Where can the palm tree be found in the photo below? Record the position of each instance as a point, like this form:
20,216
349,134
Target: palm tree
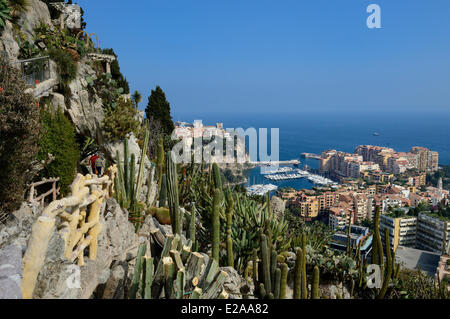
137,98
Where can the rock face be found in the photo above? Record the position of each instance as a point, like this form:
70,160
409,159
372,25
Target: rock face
59,278
10,272
85,110
37,12
8,45
277,206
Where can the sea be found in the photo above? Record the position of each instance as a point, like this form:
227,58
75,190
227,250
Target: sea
316,131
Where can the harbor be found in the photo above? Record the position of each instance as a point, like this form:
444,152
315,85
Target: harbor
297,174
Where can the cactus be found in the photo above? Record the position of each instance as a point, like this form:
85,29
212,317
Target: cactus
216,175
284,277
349,227
137,271
265,259
315,292
160,161
377,238
255,267
277,283
169,273
172,192
180,283
126,162
147,276
192,224
127,187
163,192
131,187
298,274
273,268
388,273
304,278
216,224
229,215
262,291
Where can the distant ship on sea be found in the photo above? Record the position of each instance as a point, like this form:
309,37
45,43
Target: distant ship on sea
376,134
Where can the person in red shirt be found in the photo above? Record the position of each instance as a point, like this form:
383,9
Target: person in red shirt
92,160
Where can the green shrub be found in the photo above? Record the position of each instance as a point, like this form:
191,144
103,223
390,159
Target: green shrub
59,139
67,68
19,133
5,13
121,120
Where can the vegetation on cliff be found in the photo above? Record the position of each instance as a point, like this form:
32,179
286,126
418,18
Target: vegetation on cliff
19,133
59,139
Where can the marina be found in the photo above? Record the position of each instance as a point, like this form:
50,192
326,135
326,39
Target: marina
297,174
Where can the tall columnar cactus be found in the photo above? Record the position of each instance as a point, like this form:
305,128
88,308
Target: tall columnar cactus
273,268
388,266
349,238
131,186
147,279
284,277
217,178
140,177
277,283
192,224
304,278
265,260
298,274
137,271
172,192
160,161
255,267
126,186
126,163
315,292
216,224
379,244
163,192
229,215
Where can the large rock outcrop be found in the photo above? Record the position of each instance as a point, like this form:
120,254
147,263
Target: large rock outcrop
60,278
8,45
37,12
85,109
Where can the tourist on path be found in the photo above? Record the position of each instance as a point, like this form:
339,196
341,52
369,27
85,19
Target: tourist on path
92,160
99,165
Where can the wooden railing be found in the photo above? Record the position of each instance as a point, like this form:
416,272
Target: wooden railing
80,226
41,198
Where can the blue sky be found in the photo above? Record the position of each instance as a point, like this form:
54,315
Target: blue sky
286,55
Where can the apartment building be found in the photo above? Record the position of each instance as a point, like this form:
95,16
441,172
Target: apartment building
402,230
427,160
309,205
327,200
339,216
433,233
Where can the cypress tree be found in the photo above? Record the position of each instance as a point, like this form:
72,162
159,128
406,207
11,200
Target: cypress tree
158,109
